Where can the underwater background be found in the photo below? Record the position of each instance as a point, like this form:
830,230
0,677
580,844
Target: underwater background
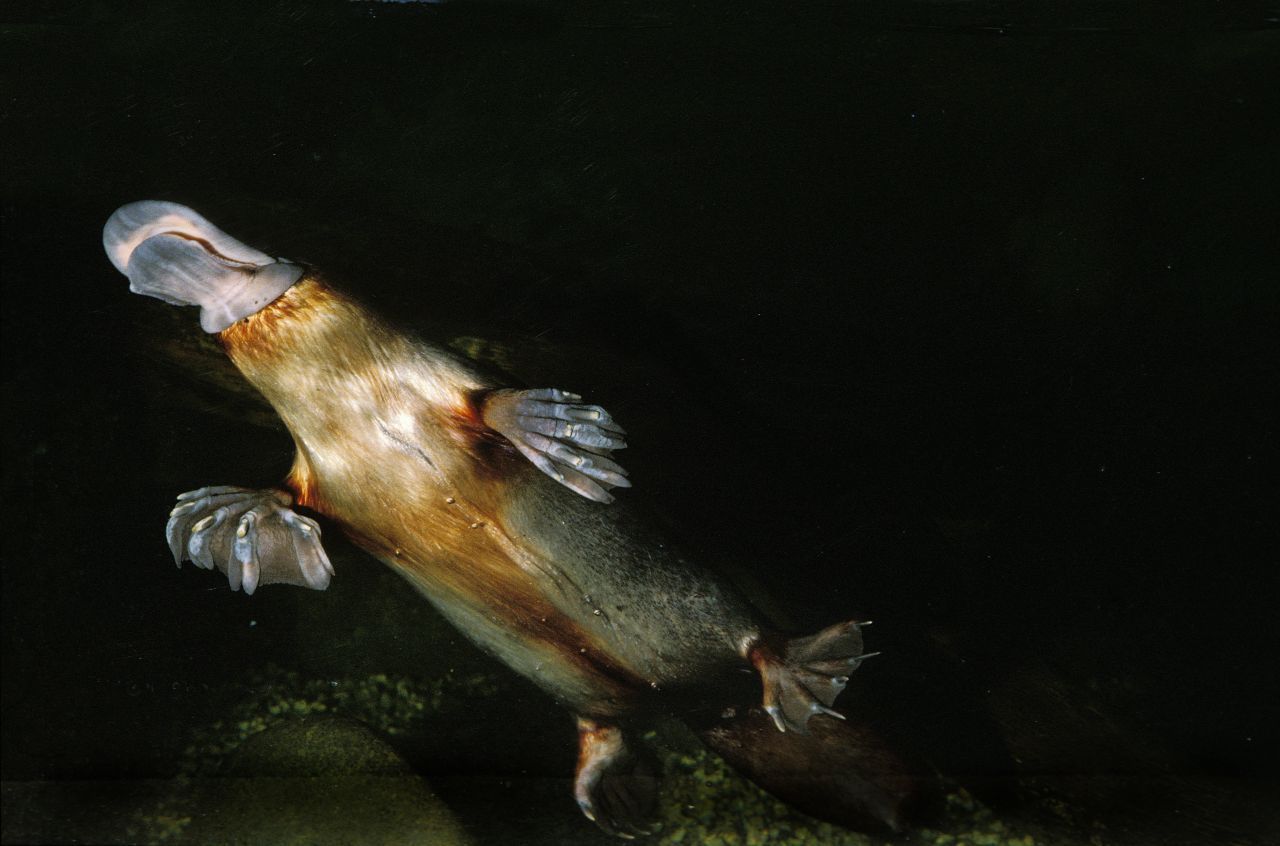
960,316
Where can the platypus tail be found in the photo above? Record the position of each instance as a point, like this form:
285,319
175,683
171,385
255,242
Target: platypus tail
800,748
840,771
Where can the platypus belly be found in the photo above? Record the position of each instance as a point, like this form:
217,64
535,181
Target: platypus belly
497,504
557,587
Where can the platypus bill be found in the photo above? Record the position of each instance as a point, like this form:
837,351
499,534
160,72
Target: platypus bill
495,503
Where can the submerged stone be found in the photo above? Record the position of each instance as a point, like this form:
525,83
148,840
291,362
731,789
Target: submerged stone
320,781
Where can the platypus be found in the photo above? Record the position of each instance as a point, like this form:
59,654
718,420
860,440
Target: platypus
498,504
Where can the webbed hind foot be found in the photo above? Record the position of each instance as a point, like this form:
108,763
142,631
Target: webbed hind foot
616,788
251,535
812,671
569,441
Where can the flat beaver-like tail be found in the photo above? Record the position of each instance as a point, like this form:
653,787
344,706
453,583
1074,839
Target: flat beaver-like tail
842,772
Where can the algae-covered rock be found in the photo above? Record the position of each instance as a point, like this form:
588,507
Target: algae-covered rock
303,761
318,781
316,746
371,810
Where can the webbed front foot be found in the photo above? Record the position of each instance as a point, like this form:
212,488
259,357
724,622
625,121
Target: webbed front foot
569,441
616,788
251,535
811,672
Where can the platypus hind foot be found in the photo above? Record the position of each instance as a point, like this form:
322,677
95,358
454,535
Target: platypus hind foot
569,441
616,788
811,672
251,535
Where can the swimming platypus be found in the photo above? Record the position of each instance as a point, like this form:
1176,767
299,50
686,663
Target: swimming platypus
497,504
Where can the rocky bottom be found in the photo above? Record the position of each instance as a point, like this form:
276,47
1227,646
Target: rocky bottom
326,761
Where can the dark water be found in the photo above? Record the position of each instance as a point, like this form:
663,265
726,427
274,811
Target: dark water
960,316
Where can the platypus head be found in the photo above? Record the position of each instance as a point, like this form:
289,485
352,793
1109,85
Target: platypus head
172,253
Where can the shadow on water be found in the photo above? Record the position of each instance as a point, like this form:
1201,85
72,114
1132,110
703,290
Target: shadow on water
954,315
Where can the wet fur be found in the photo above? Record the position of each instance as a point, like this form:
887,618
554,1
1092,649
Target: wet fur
390,445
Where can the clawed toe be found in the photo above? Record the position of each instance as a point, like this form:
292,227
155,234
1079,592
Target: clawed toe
252,536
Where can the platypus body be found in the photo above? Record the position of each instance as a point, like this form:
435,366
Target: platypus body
496,504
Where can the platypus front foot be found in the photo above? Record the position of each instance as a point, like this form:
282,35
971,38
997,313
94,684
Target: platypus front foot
809,674
569,441
251,535
616,788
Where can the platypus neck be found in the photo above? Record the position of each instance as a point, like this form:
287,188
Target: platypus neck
331,368
314,342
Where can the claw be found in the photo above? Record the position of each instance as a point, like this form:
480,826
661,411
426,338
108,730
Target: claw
174,532
823,709
243,570
198,546
211,490
312,560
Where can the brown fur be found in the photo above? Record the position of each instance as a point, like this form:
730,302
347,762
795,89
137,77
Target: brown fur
390,444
